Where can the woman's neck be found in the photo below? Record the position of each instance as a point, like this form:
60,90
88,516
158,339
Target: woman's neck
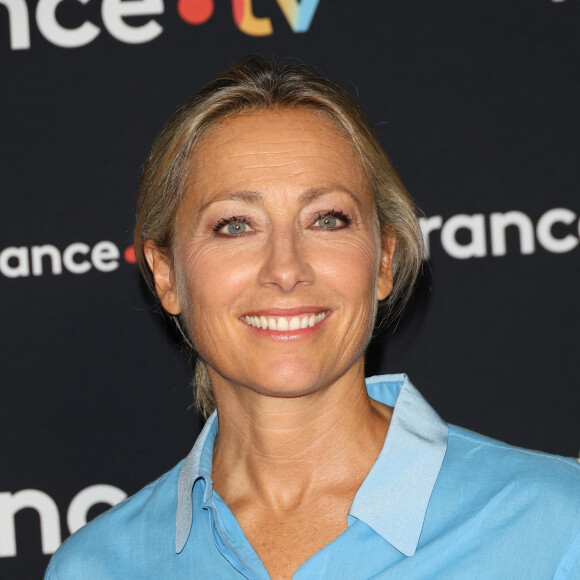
281,451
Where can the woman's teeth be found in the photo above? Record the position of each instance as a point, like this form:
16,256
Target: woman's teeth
285,323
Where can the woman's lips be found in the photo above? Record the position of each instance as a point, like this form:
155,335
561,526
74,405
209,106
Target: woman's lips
285,323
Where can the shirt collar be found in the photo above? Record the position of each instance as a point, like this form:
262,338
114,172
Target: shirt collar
394,496
195,466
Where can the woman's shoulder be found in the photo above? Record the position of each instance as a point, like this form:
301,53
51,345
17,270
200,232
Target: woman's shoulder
105,545
480,446
518,506
517,471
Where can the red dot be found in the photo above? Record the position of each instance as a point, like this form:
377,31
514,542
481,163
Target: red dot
238,9
195,11
129,255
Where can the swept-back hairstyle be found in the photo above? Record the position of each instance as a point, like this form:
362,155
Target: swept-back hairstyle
252,85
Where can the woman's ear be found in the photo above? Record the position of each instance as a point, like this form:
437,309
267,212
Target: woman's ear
160,265
385,277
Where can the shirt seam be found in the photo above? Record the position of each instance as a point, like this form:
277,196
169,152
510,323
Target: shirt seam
500,445
226,538
563,563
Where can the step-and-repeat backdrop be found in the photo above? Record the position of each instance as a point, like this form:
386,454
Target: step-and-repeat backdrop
477,103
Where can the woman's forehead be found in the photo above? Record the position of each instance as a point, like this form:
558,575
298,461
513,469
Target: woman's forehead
274,130
275,148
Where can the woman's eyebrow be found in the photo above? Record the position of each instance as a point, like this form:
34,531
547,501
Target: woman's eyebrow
257,198
313,194
252,197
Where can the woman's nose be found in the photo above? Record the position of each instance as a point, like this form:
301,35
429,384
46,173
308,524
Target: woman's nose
285,263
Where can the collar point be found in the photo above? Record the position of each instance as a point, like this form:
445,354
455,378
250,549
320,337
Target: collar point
407,550
179,545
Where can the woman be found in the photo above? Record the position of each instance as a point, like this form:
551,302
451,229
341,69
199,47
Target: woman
272,226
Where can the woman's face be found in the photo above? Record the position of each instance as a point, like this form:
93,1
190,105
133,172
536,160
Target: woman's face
277,259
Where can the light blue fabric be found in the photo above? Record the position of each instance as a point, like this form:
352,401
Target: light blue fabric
440,502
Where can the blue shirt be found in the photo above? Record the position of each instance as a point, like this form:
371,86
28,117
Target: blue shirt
440,502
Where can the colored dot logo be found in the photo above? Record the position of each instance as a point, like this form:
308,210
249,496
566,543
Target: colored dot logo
238,10
298,14
129,255
195,11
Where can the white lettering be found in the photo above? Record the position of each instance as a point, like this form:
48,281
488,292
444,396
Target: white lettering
475,224
428,225
18,270
38,252
16,262
113,13
12,503
52,30
50,535
498,224
105,256
68,258
83,501
544,230
18,23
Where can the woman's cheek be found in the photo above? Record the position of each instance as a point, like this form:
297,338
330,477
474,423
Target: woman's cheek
349,257
218,274
211,261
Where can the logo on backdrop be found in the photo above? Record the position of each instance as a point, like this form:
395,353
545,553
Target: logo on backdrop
76,258
48,514
298,14
465,236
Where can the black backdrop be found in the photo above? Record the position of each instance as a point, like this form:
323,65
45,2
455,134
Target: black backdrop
476,103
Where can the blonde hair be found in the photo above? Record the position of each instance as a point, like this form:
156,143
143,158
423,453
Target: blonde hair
258,84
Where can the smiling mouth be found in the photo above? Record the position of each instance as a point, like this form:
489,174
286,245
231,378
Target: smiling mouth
285,323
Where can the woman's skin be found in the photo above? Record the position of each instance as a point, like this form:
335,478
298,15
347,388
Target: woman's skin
278,225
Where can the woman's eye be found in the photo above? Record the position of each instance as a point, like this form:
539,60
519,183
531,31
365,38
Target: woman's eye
234,227
327,222
332,221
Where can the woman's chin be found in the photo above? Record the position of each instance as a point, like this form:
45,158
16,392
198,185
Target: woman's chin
290,385
284,378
